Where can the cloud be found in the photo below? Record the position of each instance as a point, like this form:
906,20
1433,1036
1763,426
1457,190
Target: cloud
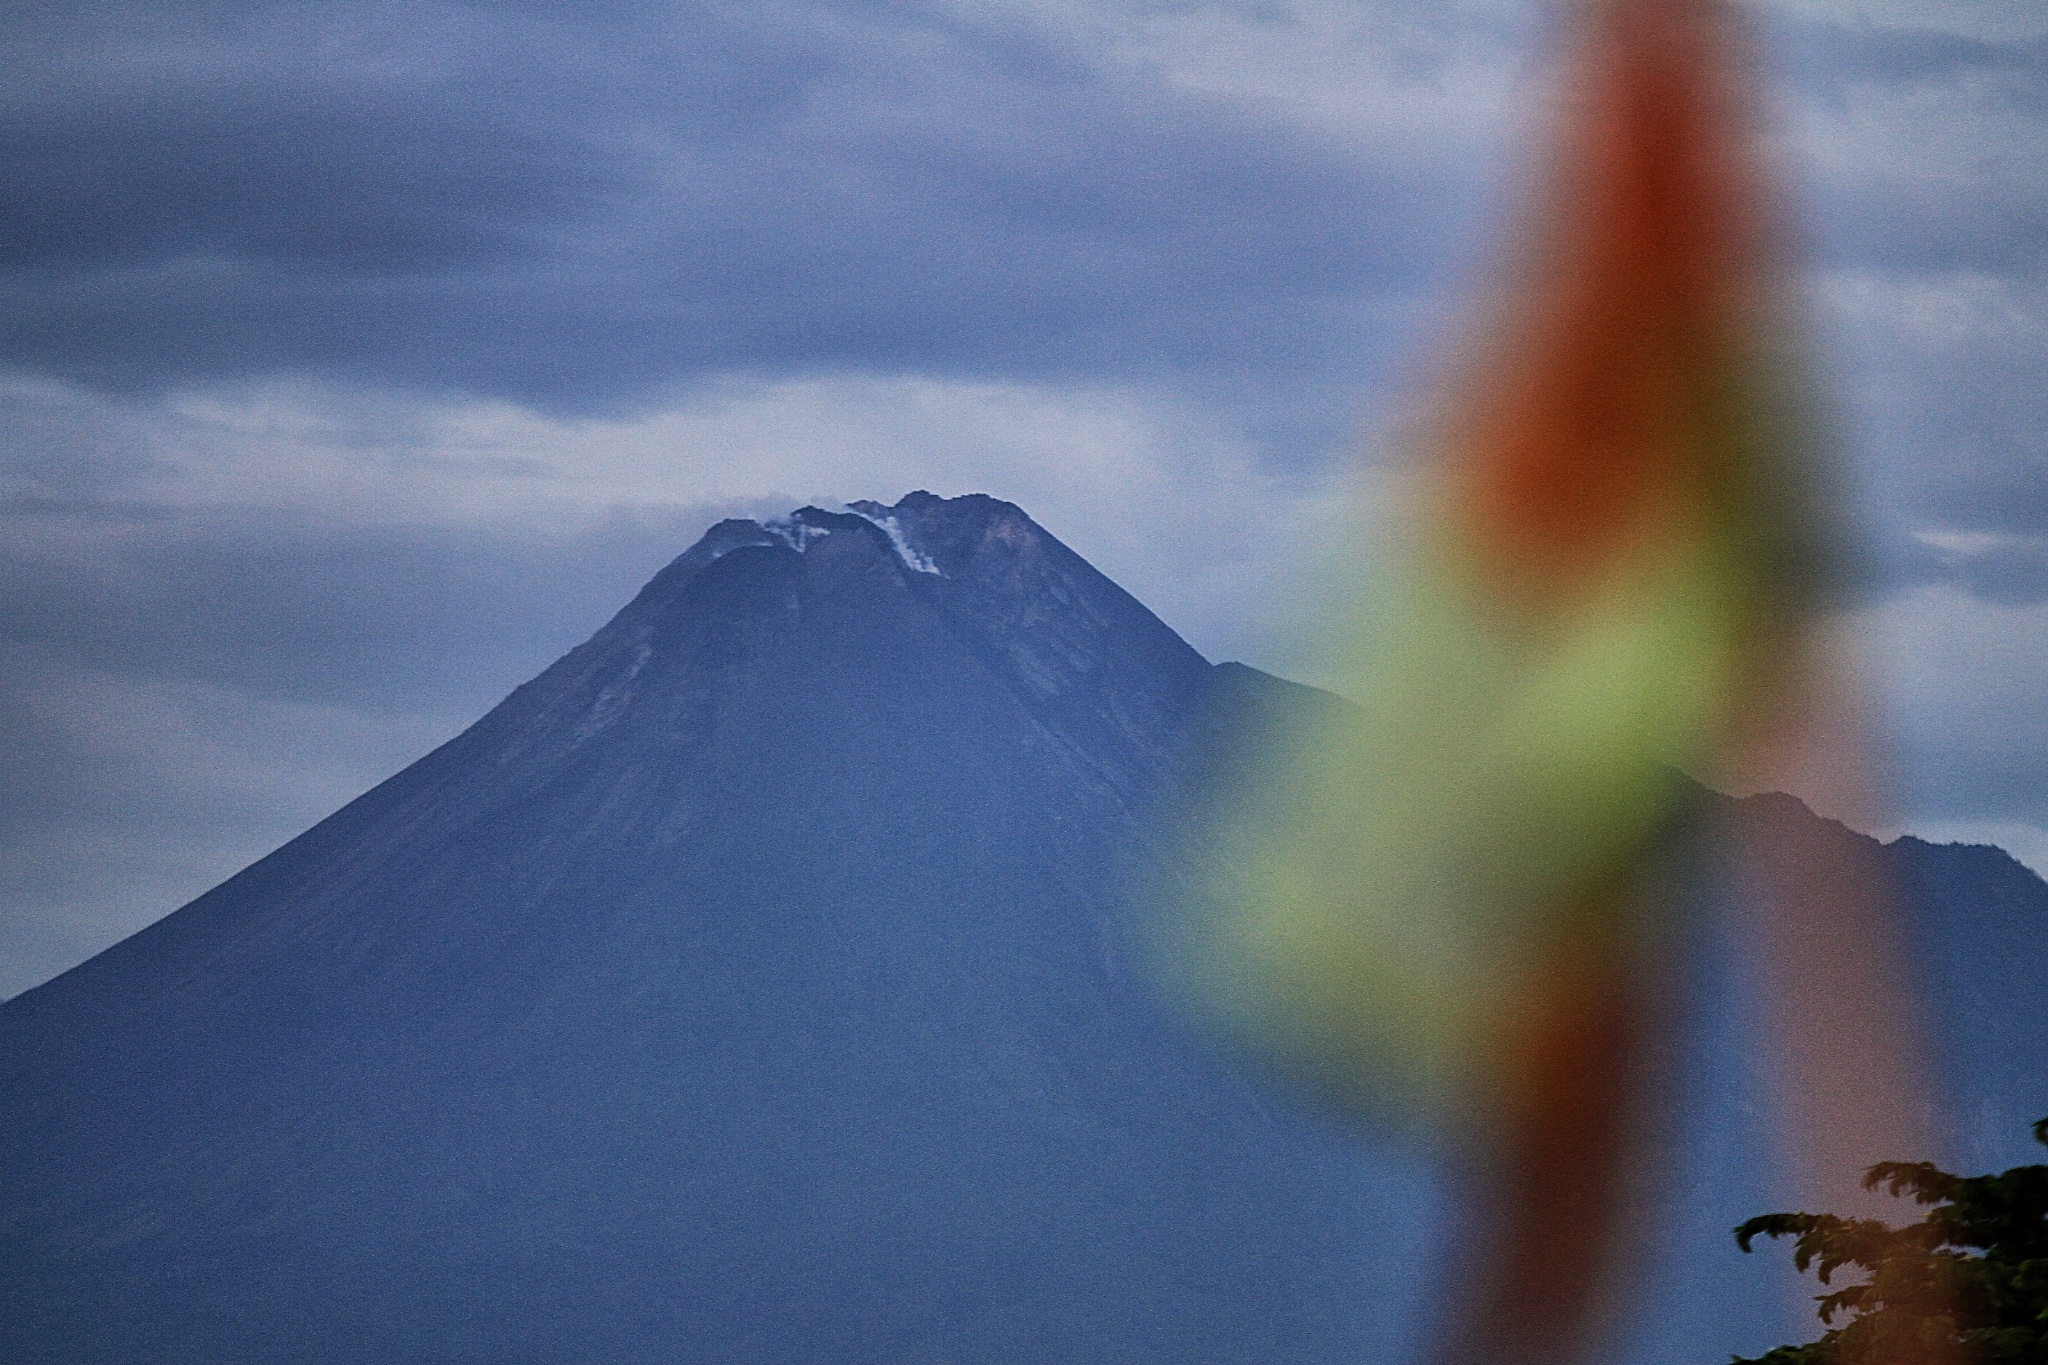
301,538
1919,152
1960,678
1989,21
581,208
588,209
128,796
1945,381
1398,75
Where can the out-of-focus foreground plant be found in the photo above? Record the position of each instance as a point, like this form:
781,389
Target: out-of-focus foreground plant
1967,1284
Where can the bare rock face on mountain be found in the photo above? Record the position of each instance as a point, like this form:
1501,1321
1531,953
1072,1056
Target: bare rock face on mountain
757,985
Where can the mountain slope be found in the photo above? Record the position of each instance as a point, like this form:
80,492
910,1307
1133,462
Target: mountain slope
748,987
756,985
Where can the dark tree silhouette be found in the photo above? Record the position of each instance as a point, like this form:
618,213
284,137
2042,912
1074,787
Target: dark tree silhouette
1966,1285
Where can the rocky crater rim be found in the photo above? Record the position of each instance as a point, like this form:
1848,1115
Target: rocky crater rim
908,527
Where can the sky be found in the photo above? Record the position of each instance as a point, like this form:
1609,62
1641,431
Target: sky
359,358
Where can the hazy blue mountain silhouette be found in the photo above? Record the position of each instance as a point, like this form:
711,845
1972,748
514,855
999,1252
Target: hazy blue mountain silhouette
756,985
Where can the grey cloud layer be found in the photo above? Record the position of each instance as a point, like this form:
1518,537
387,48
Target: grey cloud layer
325,611
578,206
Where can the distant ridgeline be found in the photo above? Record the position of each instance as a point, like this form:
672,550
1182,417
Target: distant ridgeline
758,984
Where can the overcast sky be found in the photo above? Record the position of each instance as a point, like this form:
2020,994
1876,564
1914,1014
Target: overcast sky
358,358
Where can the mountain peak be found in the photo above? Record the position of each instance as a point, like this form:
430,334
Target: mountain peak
1091,664
928,534
1061,634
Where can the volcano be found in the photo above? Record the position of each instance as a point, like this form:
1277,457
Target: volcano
759,984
